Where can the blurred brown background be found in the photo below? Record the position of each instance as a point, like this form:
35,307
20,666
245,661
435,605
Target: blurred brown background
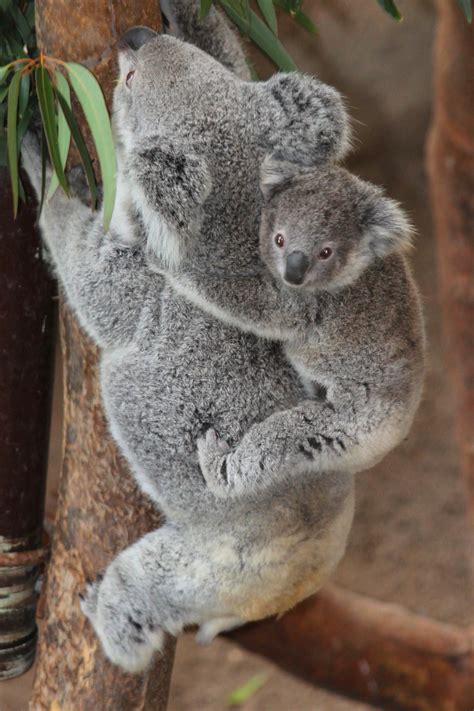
409,541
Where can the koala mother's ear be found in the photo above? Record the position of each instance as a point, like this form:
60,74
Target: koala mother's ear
303,121
170,184
385,226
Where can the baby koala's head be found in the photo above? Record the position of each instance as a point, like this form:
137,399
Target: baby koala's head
321,228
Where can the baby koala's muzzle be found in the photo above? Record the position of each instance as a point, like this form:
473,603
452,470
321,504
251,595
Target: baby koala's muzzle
297,264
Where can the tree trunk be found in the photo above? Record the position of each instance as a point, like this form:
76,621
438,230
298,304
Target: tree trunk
100,509
451,172
26,359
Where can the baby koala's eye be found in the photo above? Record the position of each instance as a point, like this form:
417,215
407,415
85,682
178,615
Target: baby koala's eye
325,253
129,79
279,240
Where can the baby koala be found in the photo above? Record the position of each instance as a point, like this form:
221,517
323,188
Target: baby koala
338,293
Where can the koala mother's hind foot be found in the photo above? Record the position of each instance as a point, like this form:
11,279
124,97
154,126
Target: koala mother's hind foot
128,637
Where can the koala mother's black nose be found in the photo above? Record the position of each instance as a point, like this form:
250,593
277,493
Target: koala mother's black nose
136,37
297,264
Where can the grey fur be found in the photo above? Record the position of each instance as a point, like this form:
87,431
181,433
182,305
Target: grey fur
353,330
170,372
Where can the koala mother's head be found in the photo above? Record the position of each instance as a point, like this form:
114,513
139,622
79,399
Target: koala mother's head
158,77
321,228
192,137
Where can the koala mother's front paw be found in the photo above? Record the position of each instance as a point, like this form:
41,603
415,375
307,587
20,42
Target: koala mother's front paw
213,460
128,636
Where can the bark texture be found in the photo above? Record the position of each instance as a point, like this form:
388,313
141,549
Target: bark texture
100,509
376,651
26,359
451,171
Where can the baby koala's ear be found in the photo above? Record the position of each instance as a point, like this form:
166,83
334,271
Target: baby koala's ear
304,121
276,175
385,226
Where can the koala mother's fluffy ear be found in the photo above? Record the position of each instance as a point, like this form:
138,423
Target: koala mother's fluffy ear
385,226
304,121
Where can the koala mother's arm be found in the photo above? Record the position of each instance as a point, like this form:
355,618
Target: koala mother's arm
313,437
106,283
212,33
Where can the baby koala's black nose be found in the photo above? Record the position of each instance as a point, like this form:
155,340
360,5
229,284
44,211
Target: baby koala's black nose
297,264
136,37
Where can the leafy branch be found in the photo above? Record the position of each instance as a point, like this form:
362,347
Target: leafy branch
31,81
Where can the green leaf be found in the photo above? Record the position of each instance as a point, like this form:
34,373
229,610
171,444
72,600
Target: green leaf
20,22
261,35
44,153
297,15
80,145
304,21
64,132
204,8
3,93
23,125
44,90
90,97
247,690
12,112
390,7
268,11
4,71
466,7
24,94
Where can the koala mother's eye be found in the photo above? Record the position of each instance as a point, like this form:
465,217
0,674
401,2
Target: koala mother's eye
279,240
325,253
129,79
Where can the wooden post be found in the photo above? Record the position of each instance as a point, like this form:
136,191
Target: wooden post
100,509
26,359
451,172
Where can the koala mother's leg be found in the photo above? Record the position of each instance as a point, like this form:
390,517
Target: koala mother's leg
165,581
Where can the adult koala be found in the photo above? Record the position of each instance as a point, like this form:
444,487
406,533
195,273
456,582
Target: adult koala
191,138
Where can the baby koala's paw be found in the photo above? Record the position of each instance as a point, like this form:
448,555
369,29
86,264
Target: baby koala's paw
213,460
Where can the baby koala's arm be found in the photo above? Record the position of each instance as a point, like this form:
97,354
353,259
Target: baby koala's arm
106,280
252,301
350,431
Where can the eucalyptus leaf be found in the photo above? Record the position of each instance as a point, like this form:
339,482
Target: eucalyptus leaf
390,7
12,112
23,124
267,9
64,132
24,94
304,21
5,70
90,96
20,22
204,8
44,90
297,15
466,7
80,145
247,690
261,35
